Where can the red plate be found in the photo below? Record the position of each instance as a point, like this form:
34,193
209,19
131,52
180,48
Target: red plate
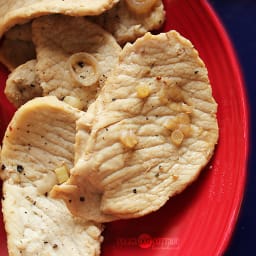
199,221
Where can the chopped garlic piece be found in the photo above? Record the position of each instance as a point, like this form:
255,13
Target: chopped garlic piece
129,139
62,174
171,124
177,137
183,118
143,91
73,101
186,129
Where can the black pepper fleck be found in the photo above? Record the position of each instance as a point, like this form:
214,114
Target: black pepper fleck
82,199
20,168
113,99
55,246
70,201
80,64
3,167
157,175
134,191
46,194
196,71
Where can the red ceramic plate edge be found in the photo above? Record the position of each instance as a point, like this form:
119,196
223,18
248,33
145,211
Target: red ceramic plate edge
245,107
236,67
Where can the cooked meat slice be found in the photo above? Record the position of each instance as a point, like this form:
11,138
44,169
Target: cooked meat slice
17,47
74,56
22,85
15,52
39,225
147,136
41,134
126,25
14,12
21,32
40,138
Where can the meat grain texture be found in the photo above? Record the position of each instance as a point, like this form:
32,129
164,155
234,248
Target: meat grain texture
40,138
148,135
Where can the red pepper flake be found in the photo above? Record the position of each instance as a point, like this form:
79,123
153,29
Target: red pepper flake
158,78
